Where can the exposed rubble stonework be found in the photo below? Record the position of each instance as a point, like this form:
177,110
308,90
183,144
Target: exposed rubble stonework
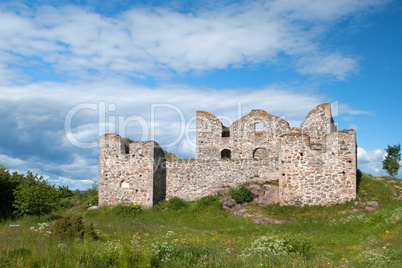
315,164
130,172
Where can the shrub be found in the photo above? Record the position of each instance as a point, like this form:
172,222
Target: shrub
89,196
64,192
66,203
299,246
72,227
174,203
126,210
241,194
207,200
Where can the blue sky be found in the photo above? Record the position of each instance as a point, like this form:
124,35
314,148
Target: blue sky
73,70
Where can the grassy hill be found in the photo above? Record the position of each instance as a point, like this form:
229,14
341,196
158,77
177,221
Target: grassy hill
202,234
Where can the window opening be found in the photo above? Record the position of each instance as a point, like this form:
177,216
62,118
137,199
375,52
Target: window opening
225,154
258,128
260,153
225,131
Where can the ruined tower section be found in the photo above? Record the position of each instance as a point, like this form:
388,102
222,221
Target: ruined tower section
130,172
209,136
311,176
318,123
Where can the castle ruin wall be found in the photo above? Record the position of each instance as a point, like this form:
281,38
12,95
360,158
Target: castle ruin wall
315,164
318,123
317,177
130,172
191,180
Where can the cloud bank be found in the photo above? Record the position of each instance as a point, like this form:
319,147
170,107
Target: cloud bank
370,161
33,126
76,42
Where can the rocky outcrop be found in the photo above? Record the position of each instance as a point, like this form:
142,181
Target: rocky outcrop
270,196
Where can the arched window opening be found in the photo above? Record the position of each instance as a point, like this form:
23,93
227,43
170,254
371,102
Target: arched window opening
258,128
225,154
225,132
260,153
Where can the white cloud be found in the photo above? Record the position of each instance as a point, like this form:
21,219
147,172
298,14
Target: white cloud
345,109
10,161
370,161
136,101
33,131
333,64
160,41
72,183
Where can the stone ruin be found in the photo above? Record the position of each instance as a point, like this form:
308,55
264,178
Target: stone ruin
313,164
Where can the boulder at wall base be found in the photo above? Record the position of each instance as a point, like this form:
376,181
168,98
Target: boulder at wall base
266,200
222,192
228,204
271,196
256,190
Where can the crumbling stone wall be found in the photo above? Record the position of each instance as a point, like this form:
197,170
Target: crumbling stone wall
317,176
130,172
209,131
318,123
191,180
243,140
315,164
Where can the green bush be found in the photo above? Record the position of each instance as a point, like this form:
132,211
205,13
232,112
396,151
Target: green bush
126,210
64,192
66,203
207,200
174,203
241,194
73,227
89,196
299,246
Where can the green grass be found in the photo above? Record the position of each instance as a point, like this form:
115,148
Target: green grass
202,234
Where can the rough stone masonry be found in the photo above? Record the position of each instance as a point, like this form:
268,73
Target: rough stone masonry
314,164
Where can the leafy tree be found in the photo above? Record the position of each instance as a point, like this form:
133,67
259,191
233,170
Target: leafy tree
90,196
34,195
7,186
391,161
64,192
